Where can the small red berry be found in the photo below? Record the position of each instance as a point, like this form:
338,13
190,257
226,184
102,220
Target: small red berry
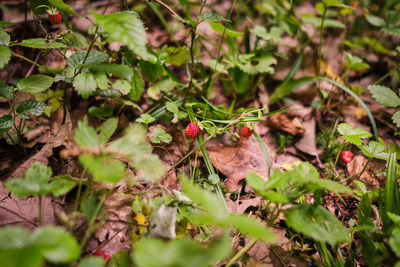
55,18
354,5
102,254
193,130
347,156
246,131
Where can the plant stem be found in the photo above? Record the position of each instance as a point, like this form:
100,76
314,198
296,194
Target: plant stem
26,59
91,222
241,252
79,190
320,42
365,167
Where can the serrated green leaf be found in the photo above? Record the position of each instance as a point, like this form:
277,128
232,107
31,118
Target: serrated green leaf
384,95
103,111
159,135
355,63
106,129
117,69
262,33
4,38
103,168
211,16
145,118
60,248
89,206
396,119
5,56
122,86
86,136
317,223
137,87
127,28
6,122
77,59
120,259
6,90
61,185
30,106
35,83
101,80
255,181
41,43
374,150
85,84
353,135
59,4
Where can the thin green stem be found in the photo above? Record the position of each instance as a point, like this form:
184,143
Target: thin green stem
26,59
241,252
78,194
386,75
321,30
91,222
363,170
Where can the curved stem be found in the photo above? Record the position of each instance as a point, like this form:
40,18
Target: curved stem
241,252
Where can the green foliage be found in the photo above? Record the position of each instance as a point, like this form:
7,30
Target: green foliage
41,43
385,96
92,262
317,223
35,83
355,63
127,28
19,248
159,135
352,135
37,182
150,252
85,84
30,107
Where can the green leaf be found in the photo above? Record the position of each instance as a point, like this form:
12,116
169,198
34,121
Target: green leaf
317,223
117,69
122,86
333,186
394,241
92,261
6,24
120,259
86,136
275,33
13,237
221,28
77,59
353,135
30,106
41,43
396,119
103,168
159,135
375,20
5,56
85,84
101,80
35,182
355,63
90,205
150,252
251,227
103,111
57,245
35,83
374,150
107,129
4,38
6,91
137,87
59,4
384,95
255,182
145,118
6,122
127,28
61,185
211,16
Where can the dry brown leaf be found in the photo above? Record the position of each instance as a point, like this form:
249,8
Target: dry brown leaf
307,143
242,205
356,166
281,122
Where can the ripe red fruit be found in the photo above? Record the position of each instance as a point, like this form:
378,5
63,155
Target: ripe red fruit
354,4
102,254
347,156
193,130
55,18
246,131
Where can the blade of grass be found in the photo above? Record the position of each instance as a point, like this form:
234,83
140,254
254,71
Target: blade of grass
264,150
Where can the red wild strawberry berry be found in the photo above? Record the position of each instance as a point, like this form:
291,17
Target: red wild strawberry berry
347,156
193,130
55,18
102,254
354,4
246,131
